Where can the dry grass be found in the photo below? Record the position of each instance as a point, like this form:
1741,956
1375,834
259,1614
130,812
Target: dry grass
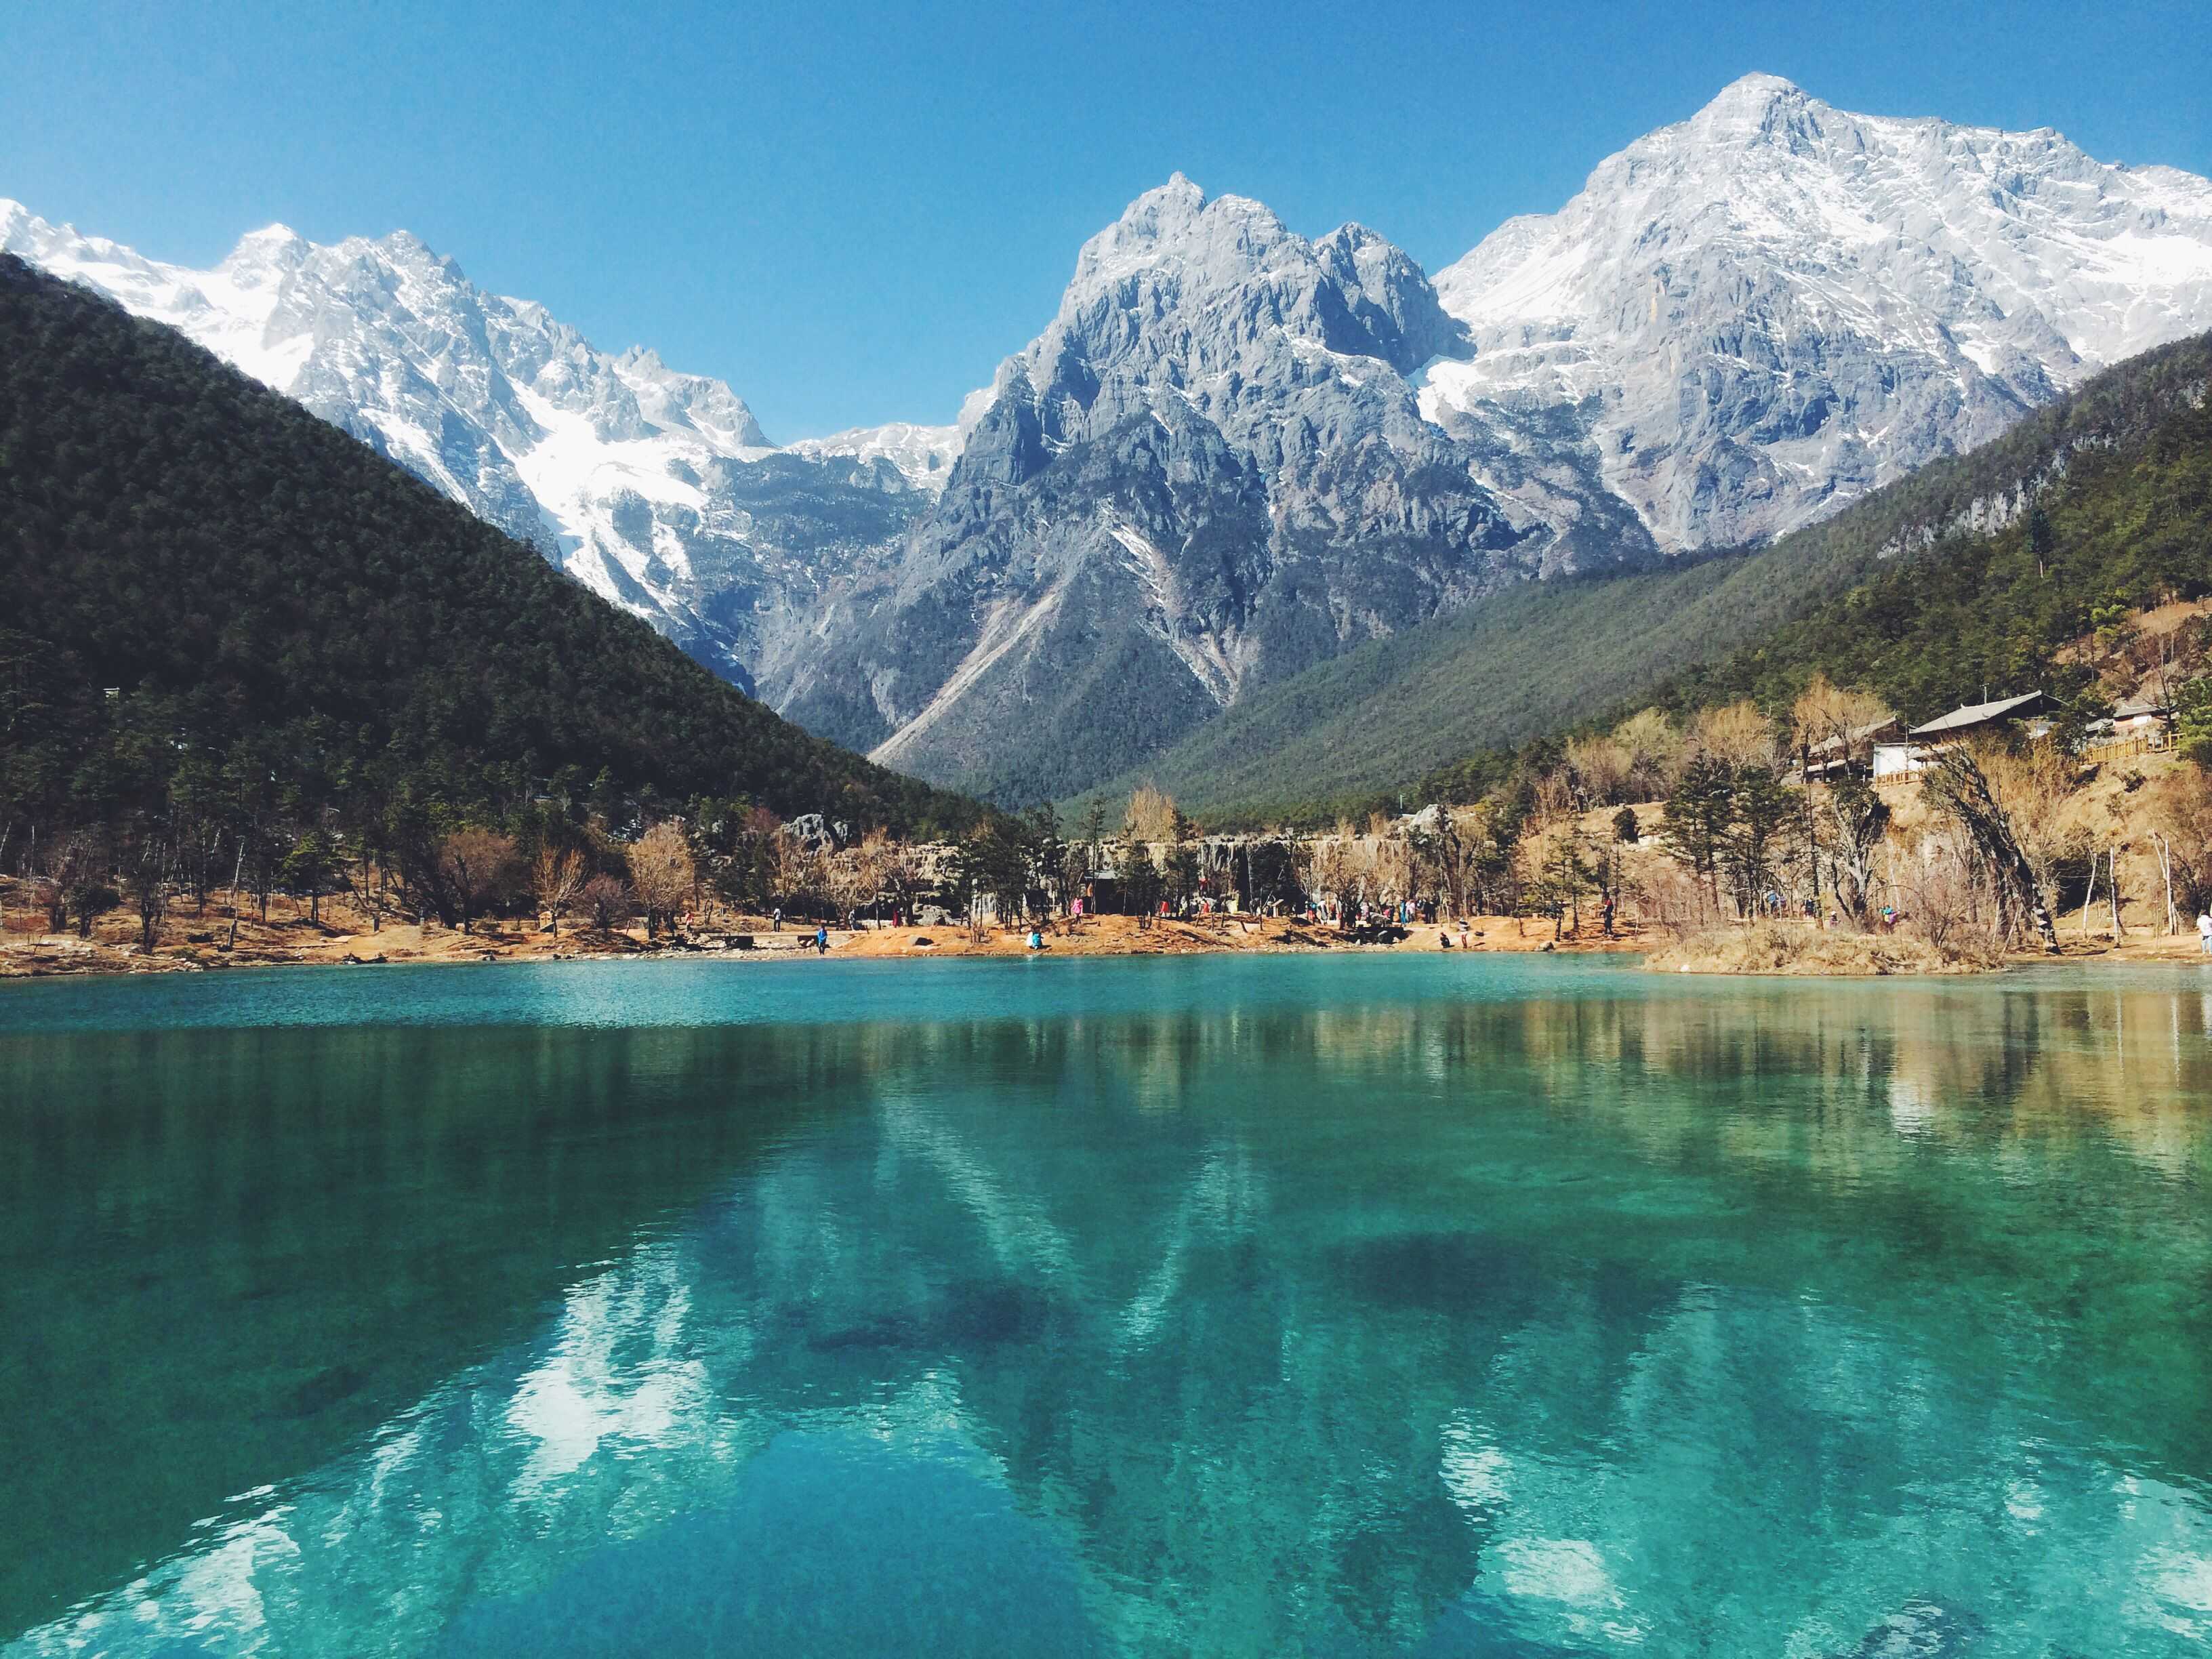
1784,947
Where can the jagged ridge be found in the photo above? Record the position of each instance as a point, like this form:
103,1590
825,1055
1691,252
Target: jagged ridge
658,490
1762,312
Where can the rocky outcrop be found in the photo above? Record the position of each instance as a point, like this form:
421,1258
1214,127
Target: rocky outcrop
1210,469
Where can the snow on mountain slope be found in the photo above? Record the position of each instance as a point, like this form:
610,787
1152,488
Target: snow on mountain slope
656,489
1235,451
1775,306
1208,471
924,454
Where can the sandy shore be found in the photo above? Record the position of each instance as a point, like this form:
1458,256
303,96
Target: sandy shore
195,944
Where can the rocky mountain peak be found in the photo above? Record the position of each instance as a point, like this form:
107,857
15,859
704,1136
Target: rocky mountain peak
1753,108
1210,469
271,245
1764,311
1176,228
1218,303
1395,310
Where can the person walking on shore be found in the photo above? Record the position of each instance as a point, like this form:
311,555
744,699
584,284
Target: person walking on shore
2204,931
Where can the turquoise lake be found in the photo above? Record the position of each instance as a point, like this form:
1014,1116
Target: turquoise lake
1274,1305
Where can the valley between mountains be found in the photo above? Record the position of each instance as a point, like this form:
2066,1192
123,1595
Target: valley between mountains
1241,464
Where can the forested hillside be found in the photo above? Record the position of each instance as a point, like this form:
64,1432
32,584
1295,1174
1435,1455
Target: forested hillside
213,596
1925,591
2123,526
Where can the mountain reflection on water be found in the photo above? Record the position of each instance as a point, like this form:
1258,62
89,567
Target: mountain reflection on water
1342,1307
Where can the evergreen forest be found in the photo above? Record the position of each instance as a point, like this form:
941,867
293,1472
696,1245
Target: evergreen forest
228,623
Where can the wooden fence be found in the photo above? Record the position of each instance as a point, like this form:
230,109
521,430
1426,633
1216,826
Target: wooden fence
2123,748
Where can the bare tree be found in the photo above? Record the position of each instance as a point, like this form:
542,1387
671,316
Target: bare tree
61,875
1827,714
1152,815
609,902
904,872
557,877
1737,735
2164,847
1554,798
2176,656
2037,787
662,872
147,879
1329,868
1601,766
1957,784
1853,819
1078,862
1389,866
80,878
1654,746
1937,890
1673,896
479,866
876,860
849,878
799,872
2181,806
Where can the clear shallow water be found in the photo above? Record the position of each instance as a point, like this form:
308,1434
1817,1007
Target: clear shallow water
1278,1306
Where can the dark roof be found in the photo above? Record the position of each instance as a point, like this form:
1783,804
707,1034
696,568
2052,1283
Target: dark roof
1978,714
2144,702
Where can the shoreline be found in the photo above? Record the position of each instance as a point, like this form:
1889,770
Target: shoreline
296,942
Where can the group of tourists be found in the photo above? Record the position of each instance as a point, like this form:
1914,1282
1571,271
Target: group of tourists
1404,913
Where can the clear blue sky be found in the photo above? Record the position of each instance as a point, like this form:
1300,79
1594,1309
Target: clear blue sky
852,212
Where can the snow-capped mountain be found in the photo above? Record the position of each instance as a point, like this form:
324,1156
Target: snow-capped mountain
924,454
656,489
1209,471
1754,315
1235,452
